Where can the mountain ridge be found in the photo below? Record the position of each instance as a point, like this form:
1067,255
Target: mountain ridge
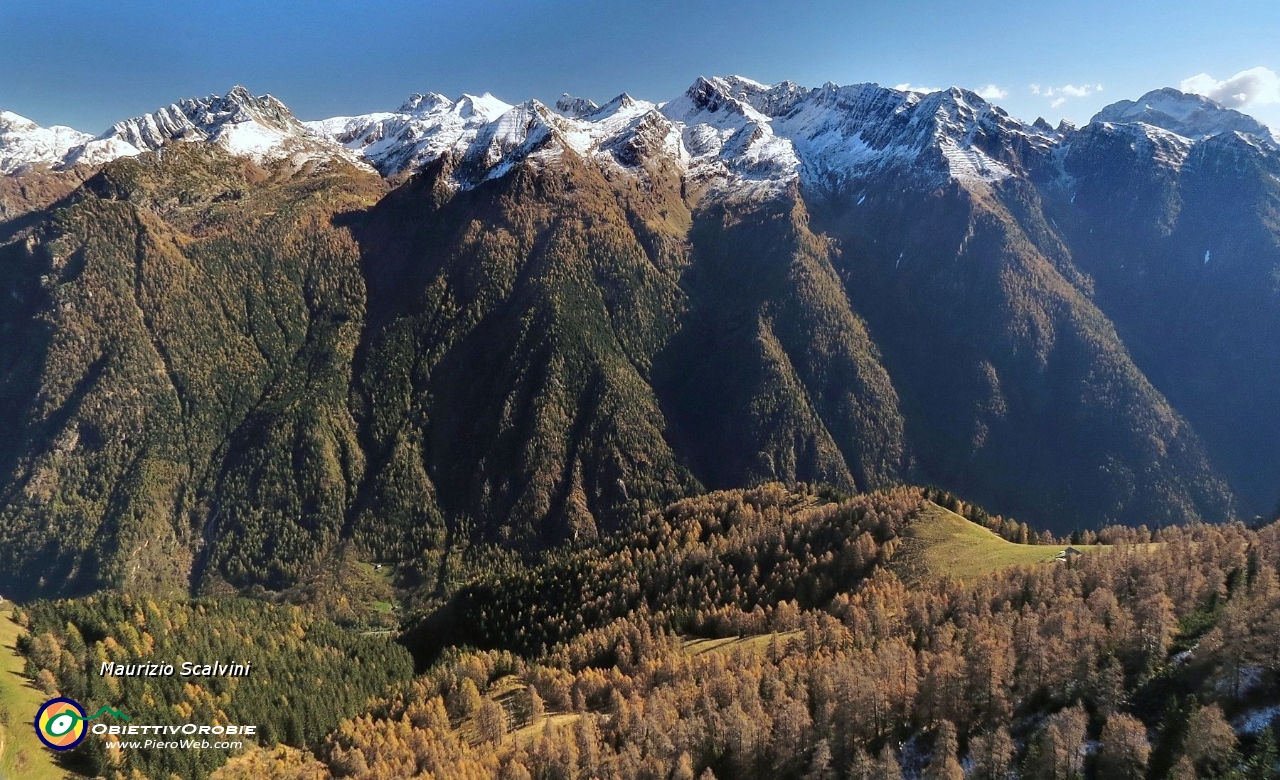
424,127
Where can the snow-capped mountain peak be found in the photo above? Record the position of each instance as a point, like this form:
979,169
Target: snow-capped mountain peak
419,103
771,101
575,107
485,107
1191,116
11,122
424,128
711,100
259,127
24,144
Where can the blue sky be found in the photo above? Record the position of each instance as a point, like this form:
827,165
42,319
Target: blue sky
88,63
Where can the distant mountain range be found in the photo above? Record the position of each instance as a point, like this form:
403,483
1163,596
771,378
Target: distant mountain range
235,341
719,126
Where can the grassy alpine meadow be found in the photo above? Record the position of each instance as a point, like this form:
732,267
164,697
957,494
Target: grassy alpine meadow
22,755
941,543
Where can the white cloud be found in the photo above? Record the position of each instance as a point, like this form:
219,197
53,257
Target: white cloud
1059,95
909,87
1253,87
993,92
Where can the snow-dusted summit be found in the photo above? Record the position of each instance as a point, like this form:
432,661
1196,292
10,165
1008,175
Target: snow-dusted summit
25,145
832,136
1194,117
576,107
258,127
422,129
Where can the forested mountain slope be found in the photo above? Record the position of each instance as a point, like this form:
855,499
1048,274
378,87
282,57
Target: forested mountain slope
468,321
1149,656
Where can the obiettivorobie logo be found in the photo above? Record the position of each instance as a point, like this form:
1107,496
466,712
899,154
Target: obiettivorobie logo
61,723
